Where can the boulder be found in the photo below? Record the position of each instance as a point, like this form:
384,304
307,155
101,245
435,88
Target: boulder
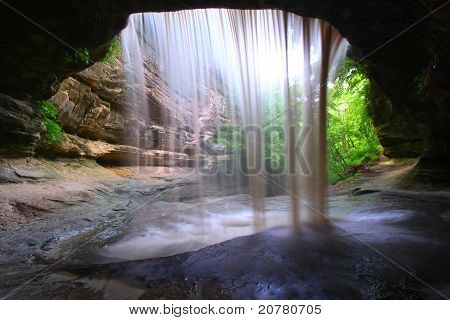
83,112
107,153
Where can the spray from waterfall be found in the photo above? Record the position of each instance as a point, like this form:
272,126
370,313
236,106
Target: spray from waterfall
254,59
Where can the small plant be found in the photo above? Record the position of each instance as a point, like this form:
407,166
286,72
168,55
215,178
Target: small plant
75,57
54,130
48,109
114,51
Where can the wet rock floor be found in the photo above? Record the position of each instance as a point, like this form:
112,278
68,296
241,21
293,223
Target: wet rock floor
377,245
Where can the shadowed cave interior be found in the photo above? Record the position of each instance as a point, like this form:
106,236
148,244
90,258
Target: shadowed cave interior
225,150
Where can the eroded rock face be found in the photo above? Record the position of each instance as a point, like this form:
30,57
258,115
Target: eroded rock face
101,123
399,137
85,108
107,153
20,127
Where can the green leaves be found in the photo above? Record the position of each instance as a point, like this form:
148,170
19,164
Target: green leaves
231,137
54,131
352,138
273,129
81,55
114,51
48,109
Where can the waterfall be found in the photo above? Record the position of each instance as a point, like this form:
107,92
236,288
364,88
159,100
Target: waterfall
256,60
135,78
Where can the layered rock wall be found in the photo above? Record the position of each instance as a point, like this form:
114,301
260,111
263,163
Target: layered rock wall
100,122
20,127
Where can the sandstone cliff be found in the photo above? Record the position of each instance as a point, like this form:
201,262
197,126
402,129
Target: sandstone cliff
100,123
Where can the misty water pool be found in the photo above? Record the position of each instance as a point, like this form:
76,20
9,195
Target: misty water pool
168,228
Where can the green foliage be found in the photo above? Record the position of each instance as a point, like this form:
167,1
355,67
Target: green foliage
231,137
352,138
114,51
274,129
274,140
234,138
81,55
54,130
48,109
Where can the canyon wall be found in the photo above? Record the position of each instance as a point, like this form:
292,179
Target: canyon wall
99,122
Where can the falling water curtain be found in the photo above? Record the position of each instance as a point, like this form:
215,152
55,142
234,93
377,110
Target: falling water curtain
259,58
330,41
